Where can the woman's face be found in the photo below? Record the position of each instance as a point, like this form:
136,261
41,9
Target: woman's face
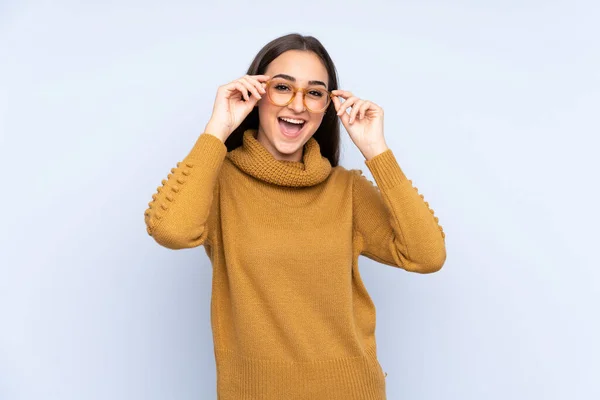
297,68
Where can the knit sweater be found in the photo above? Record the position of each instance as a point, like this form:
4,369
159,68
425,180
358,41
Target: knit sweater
290,315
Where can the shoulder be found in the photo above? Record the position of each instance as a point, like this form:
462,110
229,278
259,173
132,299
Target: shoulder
352,174
341,172
349,177
345,171
361,184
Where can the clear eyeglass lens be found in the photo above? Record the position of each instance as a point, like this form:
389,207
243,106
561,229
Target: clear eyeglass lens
316,99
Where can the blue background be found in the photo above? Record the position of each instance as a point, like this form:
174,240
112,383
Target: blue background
491,108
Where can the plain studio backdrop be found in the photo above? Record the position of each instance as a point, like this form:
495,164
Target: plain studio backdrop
491,108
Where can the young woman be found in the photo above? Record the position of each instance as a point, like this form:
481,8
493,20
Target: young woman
283,225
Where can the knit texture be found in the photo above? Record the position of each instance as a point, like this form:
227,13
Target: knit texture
253,159
291,317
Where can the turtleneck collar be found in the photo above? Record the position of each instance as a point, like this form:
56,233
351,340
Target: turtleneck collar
254,159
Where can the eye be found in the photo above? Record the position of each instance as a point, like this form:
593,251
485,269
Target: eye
281,87
316,93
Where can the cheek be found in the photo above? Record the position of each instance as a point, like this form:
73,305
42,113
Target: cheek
316,120
265,110
267,117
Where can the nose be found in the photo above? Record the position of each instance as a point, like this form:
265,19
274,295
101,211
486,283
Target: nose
298,103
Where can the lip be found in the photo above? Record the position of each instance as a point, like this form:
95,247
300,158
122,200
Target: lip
285,116
292,136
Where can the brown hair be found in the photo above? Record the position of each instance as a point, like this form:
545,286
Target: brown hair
328,133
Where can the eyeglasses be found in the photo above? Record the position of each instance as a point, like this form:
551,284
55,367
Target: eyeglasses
281,93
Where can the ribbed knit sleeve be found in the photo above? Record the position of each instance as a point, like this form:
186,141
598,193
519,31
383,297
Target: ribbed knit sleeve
180,213
395,224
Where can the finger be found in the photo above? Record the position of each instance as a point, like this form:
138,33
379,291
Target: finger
345,117
261,77
347,104
261,81
340,109
355,108
339,106
259,85
251,87
241,88
363,109
342,93
336,103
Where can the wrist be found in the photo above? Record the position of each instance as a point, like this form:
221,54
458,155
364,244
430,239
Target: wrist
216,130
375,150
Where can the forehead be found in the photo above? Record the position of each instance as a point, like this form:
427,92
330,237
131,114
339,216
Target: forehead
303,65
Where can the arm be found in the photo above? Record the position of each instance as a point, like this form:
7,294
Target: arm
395,225
179,215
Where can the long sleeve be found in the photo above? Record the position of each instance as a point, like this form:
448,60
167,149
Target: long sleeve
395,225
181,212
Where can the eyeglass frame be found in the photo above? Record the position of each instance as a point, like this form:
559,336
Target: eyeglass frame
295,90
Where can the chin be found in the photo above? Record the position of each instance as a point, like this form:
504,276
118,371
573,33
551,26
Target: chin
287,147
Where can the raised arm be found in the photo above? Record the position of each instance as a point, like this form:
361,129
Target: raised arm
178,215
181,213
395,225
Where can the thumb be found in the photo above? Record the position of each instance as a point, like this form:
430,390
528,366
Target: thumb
344,117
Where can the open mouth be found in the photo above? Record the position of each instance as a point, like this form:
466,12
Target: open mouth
290,126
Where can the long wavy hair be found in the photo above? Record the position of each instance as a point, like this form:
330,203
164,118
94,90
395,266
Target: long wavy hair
328,133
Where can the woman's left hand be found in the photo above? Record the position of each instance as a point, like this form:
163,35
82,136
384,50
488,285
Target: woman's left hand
364,122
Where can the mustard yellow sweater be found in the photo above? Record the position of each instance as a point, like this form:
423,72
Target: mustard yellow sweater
291,318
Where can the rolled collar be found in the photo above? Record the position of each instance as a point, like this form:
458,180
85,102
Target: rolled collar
254,159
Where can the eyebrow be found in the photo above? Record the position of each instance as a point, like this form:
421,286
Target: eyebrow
291,78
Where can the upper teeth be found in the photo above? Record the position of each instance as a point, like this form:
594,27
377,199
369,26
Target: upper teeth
293,121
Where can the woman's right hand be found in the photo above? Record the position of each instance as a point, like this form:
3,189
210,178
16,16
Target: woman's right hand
233,104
